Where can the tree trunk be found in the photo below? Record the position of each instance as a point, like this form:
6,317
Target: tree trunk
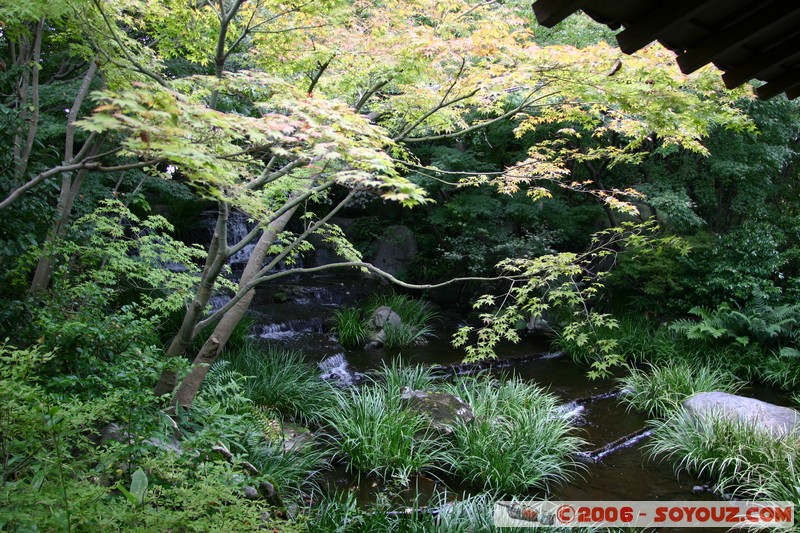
190,385
69,188
215,261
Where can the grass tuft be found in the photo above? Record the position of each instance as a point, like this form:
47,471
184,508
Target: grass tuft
662,390
283,381
374,436
352,324
744,461
517,440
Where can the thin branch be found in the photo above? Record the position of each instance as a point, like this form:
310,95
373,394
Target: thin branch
89,165
350,264
69,143
33,122
303,236
321,67
141,68
473,8
525,104
267,177
277,259
402,136
277,214
367,95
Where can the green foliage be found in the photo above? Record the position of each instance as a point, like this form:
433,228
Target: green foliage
351,326
760,326
112,286
354,325
57,477
282,381
742,266
740,459
341,513
661,391
566,283
518,440
374,436
479,228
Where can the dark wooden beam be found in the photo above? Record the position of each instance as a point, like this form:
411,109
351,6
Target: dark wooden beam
740,32
791,94
778,84
551,12
761,62
647,29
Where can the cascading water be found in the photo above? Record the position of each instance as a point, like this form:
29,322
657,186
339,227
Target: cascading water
239,226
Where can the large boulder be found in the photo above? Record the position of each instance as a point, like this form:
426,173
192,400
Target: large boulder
443,409
396,250
770,418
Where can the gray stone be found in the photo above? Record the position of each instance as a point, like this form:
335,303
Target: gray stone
384,316
444,410
539,325
251,493
296,437
113,432
773,419
396,250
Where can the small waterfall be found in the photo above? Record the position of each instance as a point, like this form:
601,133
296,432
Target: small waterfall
289,329
217,302
336,368
571,410
239,226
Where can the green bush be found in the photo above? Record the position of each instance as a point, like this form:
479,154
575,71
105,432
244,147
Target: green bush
342,513
661,391
374,436
351,326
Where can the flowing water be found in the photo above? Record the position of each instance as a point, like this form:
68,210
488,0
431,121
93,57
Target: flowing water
616,465
296,316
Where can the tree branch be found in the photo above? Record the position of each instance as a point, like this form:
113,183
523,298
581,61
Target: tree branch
402,135
367,95
88,165
321,67
69,142
141,68
525,104
268,177
33,122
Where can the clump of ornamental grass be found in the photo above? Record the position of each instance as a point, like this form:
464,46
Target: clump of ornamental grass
282,380
341,512
353,324
741,459
661,391
518,440
395,376
373,435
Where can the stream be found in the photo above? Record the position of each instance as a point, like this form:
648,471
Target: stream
616,465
